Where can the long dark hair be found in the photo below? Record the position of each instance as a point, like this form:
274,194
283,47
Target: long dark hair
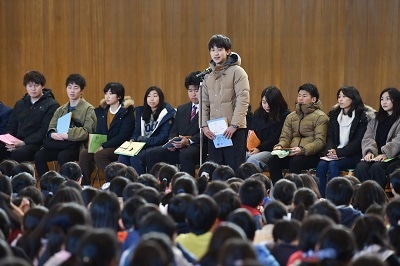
394,95
352,93
276,102
147,109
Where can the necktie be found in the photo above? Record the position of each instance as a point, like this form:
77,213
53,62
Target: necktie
193,114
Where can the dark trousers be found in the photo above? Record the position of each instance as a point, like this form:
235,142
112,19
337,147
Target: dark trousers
47,155
24,153
294,163
88,161
377,171
188,157
232,156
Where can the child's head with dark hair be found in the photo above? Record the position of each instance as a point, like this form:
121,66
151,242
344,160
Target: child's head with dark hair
21,181
283,191
88,194
368,193
76,79
333,238
286,231
247,169
304,196
128,211
23,167
227,201
33,217
72,171
157,222
115,88
178,205
150,194
5,185
325,208
105,211
65,195
129,173
165,175
311,229
34,76
184,184
112,170
148,180
45,179
243,218
131,190
191,79
118,184
219,41
142,211
339,191
311,89
201,214
370,230
392,212
214,187
311,182
252,192
6,167
156,167
222,173
274,210
265,180
33,193
295,178
394,180
207,169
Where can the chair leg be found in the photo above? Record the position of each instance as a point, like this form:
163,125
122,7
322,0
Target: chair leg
96,176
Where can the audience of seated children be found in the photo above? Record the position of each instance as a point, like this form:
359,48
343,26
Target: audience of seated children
153,123
116,120
65,146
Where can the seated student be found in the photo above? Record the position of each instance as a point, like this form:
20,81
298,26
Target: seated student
340,192
284,191
153,123
64,146
303,135
71,171
381,141
395,183
177,208
267,183
251,194
5,113
115,118
286,238
247,169
185,152
29,119
347,124
267,123
201,217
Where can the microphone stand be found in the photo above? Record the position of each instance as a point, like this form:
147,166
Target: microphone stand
201,118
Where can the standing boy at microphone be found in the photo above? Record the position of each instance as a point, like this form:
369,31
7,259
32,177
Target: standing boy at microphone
226,93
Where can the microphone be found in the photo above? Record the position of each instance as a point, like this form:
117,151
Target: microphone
205,72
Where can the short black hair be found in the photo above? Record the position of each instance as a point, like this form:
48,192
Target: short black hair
77,79
34,76
201,214
71,170
115,88
394,180
220,41
311,89
339,190
252,192
191,79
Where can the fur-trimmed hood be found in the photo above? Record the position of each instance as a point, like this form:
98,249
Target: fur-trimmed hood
128,101
369,111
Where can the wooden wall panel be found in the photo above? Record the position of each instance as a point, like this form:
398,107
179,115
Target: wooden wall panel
158,42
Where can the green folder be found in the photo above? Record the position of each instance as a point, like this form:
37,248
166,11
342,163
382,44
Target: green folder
95,141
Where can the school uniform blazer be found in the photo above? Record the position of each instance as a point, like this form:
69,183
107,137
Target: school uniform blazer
183,126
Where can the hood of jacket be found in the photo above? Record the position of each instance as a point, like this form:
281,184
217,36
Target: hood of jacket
233,59
369,111
128,101
47,93
308,108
